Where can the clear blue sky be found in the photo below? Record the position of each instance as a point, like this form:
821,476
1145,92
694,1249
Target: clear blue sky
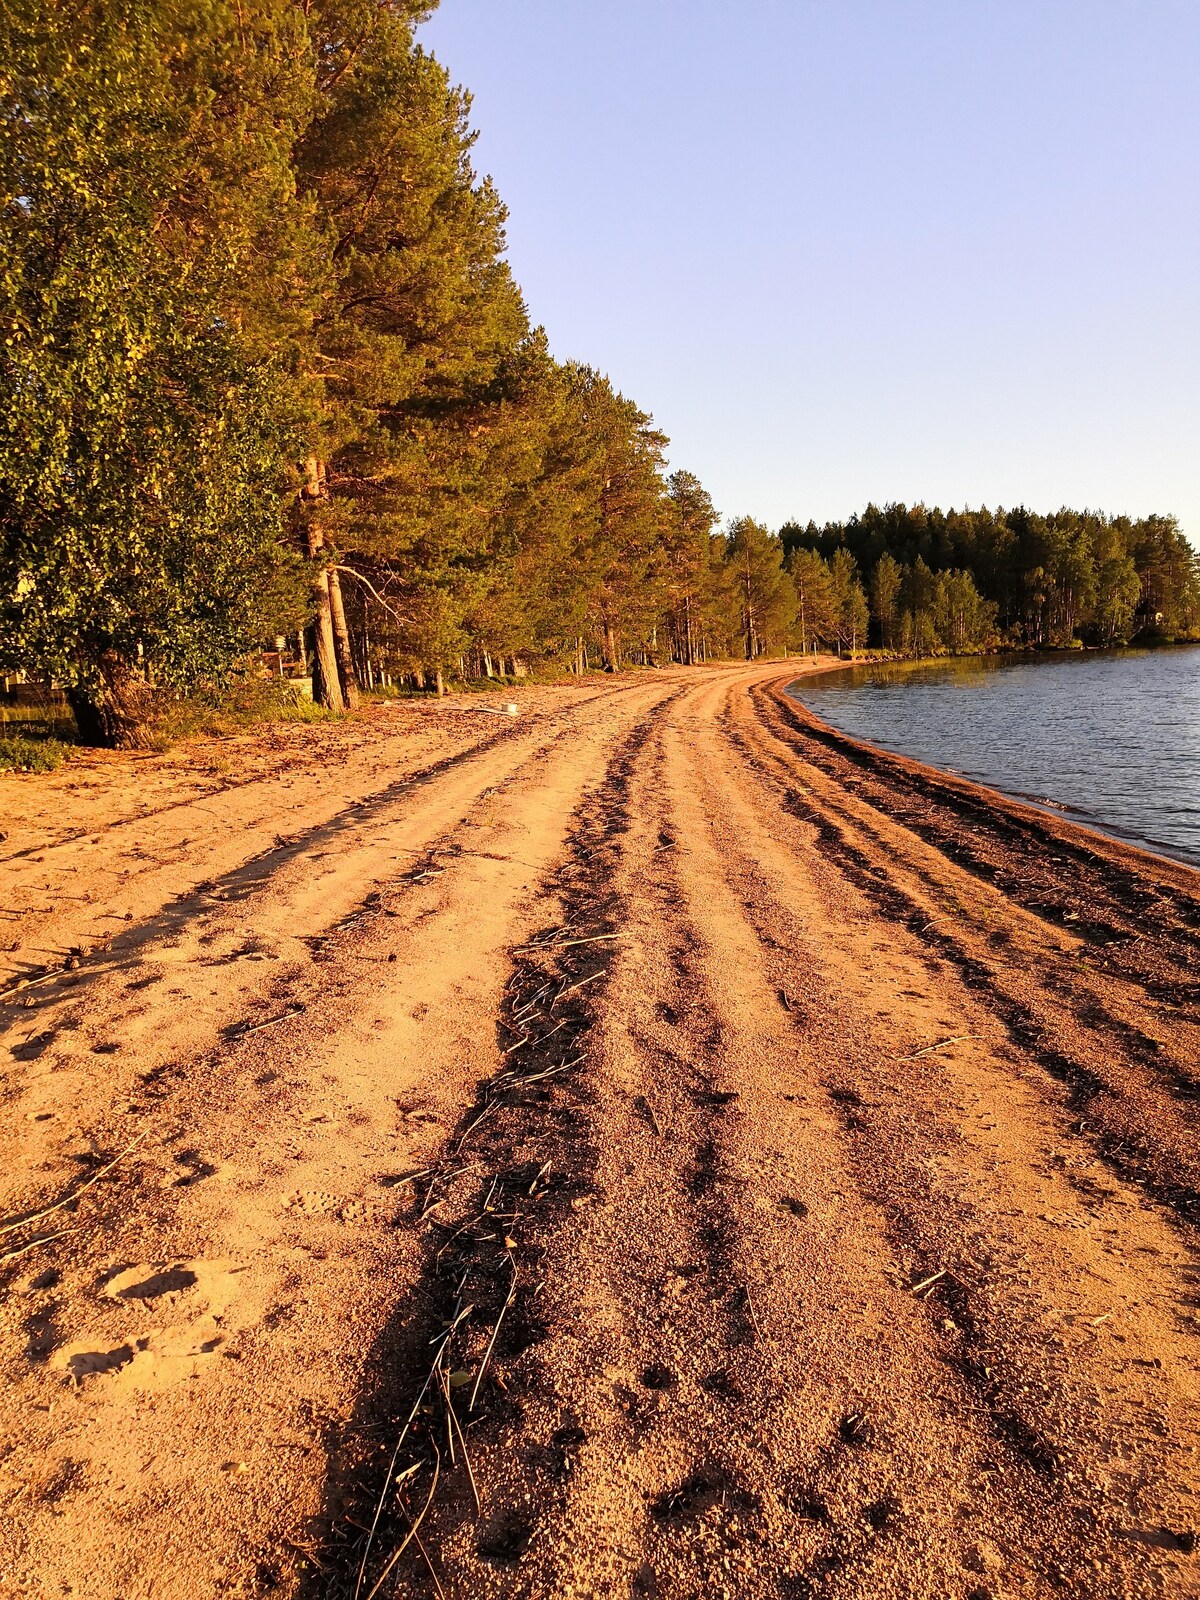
844,250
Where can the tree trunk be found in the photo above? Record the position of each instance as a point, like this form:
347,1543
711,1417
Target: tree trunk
116,713
327,689
611,661
441,683
341,640
366,647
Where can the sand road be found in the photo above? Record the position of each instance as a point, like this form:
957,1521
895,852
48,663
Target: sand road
652,1146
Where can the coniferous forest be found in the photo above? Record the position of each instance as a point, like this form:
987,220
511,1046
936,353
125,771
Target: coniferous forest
269,384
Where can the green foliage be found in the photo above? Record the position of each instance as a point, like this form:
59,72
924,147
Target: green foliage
219,709
142,433
817,619
24,752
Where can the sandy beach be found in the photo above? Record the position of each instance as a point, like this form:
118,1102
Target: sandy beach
651,1145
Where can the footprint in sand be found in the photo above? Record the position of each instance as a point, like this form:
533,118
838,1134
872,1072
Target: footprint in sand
338,1207
178,1319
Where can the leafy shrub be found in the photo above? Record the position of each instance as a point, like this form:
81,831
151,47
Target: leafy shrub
23,752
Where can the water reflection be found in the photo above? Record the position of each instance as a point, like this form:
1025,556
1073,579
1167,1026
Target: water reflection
1113,738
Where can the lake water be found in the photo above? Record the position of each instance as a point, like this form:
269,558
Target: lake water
1111,740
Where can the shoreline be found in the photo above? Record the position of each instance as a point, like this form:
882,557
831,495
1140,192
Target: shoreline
1064,812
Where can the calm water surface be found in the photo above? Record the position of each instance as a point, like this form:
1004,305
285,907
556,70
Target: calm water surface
1111,740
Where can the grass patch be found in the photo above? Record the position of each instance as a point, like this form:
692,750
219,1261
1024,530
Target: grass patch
246,704
26,752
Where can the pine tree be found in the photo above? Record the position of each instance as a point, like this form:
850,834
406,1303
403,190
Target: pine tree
816,614
885,596
688,548
420,313
849,601
766,598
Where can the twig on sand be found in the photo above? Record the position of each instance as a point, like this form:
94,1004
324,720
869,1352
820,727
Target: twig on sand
471,1126
257,1027
571,988
958,1038
425,1557
456,1426
391,1477
13,989
408,1537
927,1283
643,1102
753,1312
491,1344
564,944
37,1216
32,1244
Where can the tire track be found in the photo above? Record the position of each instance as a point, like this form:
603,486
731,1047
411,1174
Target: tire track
407,1513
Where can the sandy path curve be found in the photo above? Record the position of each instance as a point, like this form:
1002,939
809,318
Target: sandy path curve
656,1148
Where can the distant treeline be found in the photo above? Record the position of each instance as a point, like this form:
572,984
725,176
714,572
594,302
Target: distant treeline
266,379
962,580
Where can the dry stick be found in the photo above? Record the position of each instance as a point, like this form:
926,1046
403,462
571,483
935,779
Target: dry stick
390,1476
441,1376
958,1038
927,1283
457,1425
425,1557
29,983
550,1072
42,1238
530,1005
591,978
470,1128
36,1216
753,1313
410,1177
564,944
512,1290
458,1232
410,1535
257,1027
540,1040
